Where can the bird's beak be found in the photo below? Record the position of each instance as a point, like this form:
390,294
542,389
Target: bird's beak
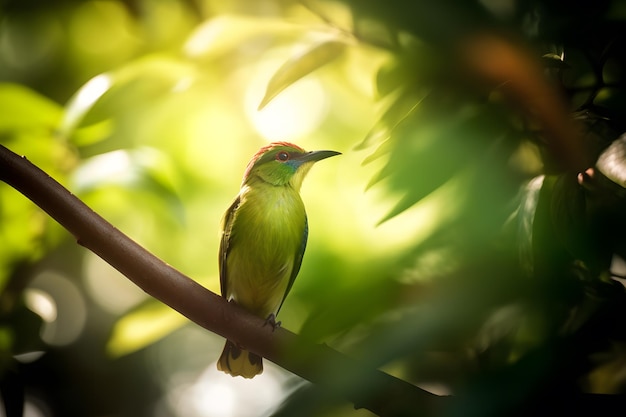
315,156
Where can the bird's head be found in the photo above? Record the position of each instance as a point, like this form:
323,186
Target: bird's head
282,163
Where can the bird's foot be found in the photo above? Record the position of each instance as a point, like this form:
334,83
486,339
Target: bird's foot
271,320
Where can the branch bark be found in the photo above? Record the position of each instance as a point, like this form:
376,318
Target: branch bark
383,394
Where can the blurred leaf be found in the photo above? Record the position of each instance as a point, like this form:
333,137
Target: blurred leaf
612,162
446,318
7,342
224,34
401,107
147,171
558,234
553,60
22,108
378,134
417,66
608,376
94,133
525,222
435,144
142,327
144,167
383,149
149,77
569,216
329,316
80,104
28,123
26,329
313,57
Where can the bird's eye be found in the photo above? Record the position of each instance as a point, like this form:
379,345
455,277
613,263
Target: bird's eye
282,156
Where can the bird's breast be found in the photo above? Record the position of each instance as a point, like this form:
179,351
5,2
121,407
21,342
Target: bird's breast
273,210
267,232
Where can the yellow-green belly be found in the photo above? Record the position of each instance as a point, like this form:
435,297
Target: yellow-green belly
265,238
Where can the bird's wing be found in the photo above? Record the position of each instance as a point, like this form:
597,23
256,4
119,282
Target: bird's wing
227,225
297,262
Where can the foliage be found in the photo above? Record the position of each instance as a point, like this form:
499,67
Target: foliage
480,261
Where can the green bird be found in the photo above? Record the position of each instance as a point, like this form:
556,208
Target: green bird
264,234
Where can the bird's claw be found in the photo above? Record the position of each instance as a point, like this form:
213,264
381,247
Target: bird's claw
271,320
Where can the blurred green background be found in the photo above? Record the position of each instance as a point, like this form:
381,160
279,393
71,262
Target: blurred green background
446,246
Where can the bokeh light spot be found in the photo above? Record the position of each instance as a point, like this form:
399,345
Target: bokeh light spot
41,303
54,289
108,287
216,394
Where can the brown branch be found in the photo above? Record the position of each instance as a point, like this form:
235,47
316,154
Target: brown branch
382,394
499,61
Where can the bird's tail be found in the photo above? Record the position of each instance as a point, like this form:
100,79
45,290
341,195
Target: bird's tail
236,361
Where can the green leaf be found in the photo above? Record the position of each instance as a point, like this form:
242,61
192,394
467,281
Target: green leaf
438,141
312,58
612,162
553,60
141,81
142,327
144,167
418,65
400,107
28,123
525,222
82,102
378,134
383,149
23,108
93,133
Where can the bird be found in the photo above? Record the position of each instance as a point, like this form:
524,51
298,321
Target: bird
263,238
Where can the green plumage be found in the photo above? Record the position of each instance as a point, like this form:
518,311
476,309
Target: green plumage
264,234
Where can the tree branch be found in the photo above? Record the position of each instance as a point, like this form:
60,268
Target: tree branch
382,394
493,58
